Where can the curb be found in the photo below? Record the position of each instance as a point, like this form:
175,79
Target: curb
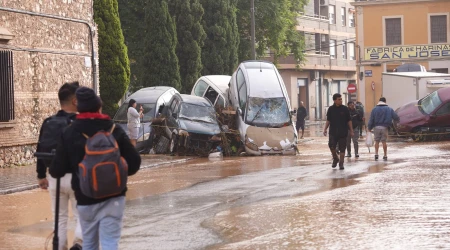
35,186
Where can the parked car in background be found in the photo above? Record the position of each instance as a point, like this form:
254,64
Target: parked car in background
214,88
427,118
151,99
258,94
191,125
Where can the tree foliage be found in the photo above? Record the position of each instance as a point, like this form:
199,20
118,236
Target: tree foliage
132,15
275,29
219,54
159,61
113,58
187,15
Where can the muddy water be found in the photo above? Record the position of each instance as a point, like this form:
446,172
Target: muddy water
270,202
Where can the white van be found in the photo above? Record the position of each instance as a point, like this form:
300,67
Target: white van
214,88
258,94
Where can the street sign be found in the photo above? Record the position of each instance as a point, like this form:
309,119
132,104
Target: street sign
368,73
373,85
351,88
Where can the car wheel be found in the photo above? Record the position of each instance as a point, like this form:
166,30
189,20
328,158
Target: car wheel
417,135
173,144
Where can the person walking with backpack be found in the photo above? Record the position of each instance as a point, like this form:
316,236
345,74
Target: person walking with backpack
380,120
49,134
100,157
355,115
134,121
340,123
362,123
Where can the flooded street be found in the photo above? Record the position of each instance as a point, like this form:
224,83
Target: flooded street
272,202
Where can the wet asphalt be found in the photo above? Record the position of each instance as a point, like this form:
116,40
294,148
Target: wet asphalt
273,202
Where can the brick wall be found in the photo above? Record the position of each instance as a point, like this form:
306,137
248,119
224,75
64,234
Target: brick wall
47,53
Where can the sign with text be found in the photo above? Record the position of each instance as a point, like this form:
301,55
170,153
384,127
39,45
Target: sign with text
407,52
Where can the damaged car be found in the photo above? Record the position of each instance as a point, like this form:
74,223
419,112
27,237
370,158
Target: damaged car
190,124
258,94
426,119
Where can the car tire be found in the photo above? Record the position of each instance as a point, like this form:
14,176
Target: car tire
173,144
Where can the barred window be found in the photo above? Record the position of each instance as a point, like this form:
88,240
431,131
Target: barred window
393,31
438,29
6,86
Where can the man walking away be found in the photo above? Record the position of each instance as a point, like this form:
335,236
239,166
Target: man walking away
356,119
301,115
362,123
82,150
380,119
48,139
338,119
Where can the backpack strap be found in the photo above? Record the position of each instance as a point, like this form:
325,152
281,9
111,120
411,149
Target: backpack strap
112,128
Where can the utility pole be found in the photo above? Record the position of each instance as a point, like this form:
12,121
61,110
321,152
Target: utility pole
252,13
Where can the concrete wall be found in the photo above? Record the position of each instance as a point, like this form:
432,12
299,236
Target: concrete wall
62,49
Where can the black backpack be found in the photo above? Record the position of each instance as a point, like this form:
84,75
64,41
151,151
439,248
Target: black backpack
51,131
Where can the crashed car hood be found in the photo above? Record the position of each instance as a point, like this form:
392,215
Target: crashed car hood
199,127
409,112
268,138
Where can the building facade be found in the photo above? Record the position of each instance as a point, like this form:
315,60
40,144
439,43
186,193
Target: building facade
42,45
391,33
328,27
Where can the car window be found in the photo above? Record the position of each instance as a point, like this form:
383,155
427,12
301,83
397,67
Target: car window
200,88
240,79
173,106
220,102
211,95
444,110
243,96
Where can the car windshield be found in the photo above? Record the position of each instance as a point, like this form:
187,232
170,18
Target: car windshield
197,113
149,112
270,112
430,103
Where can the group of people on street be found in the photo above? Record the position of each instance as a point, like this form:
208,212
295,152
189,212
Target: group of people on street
345,125
99,218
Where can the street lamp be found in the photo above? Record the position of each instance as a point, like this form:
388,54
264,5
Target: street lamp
252,13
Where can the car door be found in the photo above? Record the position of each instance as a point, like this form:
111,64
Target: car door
172,118
441,117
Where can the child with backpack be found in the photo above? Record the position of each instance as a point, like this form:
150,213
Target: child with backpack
51,130
100,157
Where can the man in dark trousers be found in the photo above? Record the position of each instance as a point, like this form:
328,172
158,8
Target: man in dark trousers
301,115
338,119
100,218
356,117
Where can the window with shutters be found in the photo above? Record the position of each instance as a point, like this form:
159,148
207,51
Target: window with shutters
6,86
438,28
393,31
333,49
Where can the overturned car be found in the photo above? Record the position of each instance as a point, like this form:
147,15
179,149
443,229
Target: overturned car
190,125
426,119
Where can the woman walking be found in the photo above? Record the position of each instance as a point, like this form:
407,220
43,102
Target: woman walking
134,121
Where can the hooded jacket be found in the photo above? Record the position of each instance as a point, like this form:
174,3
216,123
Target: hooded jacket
382,115
71,150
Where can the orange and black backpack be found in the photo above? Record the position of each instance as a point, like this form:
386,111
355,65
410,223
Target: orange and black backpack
103,172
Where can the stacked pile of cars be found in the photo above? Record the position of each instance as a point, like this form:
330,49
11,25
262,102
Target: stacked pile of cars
255,97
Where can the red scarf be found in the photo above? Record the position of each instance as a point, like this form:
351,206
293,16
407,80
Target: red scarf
93,116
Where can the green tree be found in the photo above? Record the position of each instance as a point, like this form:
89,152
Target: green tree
132,15
159,61
187,15
219,54
113,58
275,29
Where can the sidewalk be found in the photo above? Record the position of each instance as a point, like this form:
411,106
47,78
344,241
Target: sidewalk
17,179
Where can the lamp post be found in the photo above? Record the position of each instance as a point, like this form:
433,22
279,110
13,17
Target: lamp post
252,13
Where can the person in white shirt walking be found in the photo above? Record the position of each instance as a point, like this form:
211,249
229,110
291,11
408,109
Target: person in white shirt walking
134,121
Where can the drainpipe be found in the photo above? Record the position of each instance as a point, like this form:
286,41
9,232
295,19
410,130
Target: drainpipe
91,35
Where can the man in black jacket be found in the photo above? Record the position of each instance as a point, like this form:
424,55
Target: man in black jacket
67,101
101,219
301,115
338,119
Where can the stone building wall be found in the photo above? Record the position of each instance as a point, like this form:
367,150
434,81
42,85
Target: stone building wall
46,52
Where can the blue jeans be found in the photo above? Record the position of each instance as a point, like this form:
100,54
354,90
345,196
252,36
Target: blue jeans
102,223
